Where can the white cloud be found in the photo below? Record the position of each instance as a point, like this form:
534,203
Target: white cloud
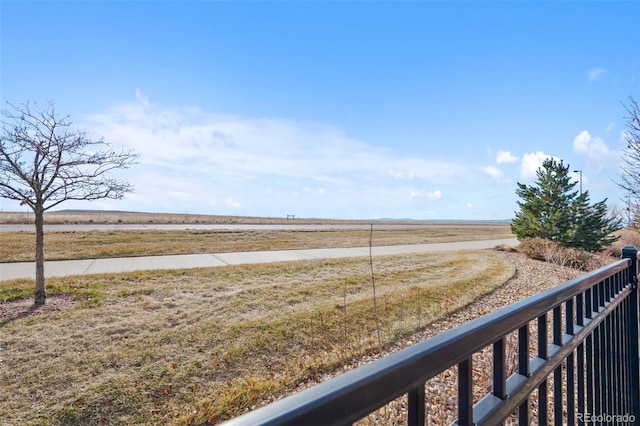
610,126
144,101
495,173
435,195
593,148
401,175
432,196
531,162
505,157
259,164
469,205
596,73
233,203
248,148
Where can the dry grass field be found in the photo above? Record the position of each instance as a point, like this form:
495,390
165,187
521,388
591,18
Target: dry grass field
199,346
62,217
115,217
77,244
195,347
20,246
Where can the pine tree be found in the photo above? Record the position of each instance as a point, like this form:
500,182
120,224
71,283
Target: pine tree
554,210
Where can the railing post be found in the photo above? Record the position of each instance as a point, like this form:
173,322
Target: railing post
630,252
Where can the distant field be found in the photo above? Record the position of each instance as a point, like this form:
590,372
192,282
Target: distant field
20,246
111,217
91,244
139,217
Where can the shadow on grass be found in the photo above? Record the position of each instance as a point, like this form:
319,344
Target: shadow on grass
24,308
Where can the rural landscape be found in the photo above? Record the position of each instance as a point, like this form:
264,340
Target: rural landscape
319,212
199,346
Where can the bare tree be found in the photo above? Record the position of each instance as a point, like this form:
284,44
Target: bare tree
44,161
630,170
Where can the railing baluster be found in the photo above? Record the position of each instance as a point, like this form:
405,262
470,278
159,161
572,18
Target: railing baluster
415,406
610,364
465,392
617,362
542,353
569,316
499,370
557,395
597,378
601,295
523,413
580,372
604,385
570,321
571,397
626,384
543,404
557,372
523,350
589,373
524,370
580,309
542,336
557,325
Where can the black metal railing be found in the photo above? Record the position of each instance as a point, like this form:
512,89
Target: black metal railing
585,344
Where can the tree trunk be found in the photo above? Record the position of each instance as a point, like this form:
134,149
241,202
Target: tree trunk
40,294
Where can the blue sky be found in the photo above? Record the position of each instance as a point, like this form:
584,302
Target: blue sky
417,109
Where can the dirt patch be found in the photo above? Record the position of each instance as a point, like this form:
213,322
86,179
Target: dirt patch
22,308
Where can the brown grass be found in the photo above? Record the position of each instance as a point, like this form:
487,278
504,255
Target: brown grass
71,217
20,246
197,346
115,217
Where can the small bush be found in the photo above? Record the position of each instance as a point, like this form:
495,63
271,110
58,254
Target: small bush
598,261
552,252
505,247
628,237
535,248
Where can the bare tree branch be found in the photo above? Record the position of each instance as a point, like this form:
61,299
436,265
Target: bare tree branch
630,169
44,162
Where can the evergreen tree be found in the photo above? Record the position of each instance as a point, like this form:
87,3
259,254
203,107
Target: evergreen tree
554,210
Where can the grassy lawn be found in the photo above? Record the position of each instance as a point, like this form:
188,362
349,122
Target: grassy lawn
20,246
200,346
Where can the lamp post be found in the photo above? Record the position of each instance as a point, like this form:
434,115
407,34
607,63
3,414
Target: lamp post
579,171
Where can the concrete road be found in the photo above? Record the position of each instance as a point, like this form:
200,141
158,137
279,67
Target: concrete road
9,271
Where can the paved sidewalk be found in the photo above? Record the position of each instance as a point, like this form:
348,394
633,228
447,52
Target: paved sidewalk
9,271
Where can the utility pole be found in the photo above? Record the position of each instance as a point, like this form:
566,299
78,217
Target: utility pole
579,171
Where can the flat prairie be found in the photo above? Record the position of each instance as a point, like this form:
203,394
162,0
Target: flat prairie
196,347
115,217
83,243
